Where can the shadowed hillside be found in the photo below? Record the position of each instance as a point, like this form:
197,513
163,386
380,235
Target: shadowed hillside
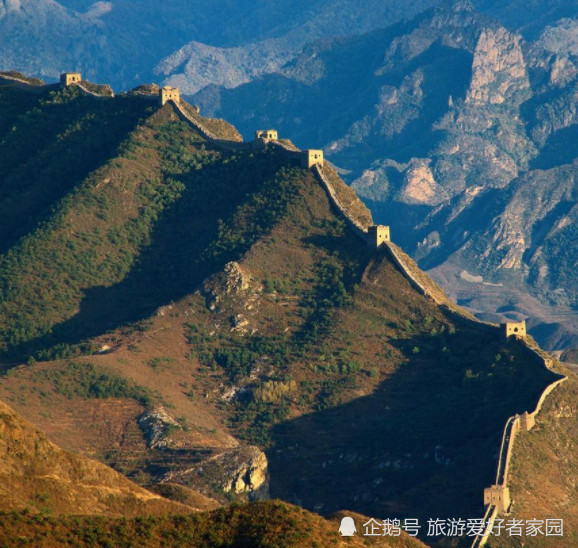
198,312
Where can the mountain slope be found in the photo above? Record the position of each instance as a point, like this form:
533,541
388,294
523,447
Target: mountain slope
237,322
438,123
40,477
40,480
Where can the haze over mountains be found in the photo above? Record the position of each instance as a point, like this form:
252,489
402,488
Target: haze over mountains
459,134
456,126
125,43
197,313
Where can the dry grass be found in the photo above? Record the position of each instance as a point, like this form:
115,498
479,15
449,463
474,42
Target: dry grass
265,524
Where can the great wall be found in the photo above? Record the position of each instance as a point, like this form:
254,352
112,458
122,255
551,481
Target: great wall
497,496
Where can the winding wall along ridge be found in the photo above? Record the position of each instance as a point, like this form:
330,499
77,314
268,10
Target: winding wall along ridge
207,134
511,429
92,93
21,84
489,518
512,425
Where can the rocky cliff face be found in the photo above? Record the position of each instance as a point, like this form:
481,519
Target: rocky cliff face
419,185
438,120
498,68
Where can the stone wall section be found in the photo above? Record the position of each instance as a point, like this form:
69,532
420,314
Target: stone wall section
92,93
416,278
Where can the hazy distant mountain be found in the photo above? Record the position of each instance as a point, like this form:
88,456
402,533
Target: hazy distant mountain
195,43
190,43
437,119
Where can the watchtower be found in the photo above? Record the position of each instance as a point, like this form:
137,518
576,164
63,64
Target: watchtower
377,235
527,421
266,134
497,495
69,78
168,93
508,329
310,157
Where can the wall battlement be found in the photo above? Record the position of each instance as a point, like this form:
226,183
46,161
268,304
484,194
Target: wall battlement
527,421
70,78
498,495
377,235
311,157
266,134
510,329
168,93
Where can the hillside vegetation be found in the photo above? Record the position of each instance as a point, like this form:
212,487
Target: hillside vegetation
267,525
201,315
39,477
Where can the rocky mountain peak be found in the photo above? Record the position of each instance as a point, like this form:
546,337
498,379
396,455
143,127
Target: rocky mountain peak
498,68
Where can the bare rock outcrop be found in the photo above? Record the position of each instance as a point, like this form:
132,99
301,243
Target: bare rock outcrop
419,185
498,68
243,471
156,425
234,293
247,470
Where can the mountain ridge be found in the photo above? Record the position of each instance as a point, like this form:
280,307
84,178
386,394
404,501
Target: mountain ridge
290,322
436,156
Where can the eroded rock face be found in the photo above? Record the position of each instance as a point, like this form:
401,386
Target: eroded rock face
248,473
6,6
234,293
237,279
420,187
156,425
243,470
498,68
509,240
234,283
